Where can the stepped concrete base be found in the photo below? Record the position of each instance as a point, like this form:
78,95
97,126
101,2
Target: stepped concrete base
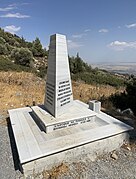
38,150
77,113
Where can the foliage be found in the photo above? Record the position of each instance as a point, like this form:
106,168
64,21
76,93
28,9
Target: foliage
14,41
20,52
84,72
22,56
8,65
3,50
9,48
23,42
37,49
131,88
2,40
77,65
42,71
126,99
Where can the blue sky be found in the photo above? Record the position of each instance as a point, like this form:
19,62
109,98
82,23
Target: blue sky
100,30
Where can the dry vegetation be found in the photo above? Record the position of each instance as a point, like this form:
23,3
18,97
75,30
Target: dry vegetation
55,172
85,92
62,170
22,89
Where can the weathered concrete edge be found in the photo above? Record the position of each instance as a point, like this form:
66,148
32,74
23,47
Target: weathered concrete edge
91,150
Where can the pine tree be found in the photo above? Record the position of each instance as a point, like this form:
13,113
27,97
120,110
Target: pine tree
37,48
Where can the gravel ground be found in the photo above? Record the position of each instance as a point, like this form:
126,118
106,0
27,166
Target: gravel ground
105,167
7,166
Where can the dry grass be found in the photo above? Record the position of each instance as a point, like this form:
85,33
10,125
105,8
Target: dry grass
85,92
22,89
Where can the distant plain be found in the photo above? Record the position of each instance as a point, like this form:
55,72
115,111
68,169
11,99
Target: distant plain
123,68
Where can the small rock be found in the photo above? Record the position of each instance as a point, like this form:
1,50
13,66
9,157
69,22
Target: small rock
18,94
126,146
118,110
114,156
127,111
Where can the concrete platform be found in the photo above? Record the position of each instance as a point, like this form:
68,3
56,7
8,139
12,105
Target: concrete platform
34,145
77,113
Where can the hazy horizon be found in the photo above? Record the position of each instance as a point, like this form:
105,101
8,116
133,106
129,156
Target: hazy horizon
114,63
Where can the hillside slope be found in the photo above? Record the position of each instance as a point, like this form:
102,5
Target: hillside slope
21,89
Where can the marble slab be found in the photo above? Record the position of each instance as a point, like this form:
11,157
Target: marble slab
33,143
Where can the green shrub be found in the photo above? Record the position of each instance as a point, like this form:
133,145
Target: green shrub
2,40
98,78
7,65
42,72
3,50
37,49
126,99
22,56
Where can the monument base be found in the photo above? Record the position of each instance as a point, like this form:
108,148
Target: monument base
38,150
79,153
77,114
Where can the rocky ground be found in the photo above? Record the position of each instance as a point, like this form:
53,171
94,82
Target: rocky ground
119,164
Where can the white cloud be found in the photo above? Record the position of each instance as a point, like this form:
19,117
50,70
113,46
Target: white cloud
120,46
78,35
131,25
12,29
103,30
87,30
15,15
25,3
72,44
8,8
13,5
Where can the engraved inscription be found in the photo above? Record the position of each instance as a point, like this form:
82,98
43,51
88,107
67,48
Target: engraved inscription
64,92
49,93
73,122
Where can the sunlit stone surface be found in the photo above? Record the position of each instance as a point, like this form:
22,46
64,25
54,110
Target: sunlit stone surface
58,86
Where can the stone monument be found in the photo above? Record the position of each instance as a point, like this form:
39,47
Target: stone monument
58,85
62,129
60,110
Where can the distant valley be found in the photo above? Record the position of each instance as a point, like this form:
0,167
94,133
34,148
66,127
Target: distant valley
123,68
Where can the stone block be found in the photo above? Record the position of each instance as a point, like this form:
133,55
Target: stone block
95,106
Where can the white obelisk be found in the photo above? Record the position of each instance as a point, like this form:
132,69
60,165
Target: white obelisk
58,95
